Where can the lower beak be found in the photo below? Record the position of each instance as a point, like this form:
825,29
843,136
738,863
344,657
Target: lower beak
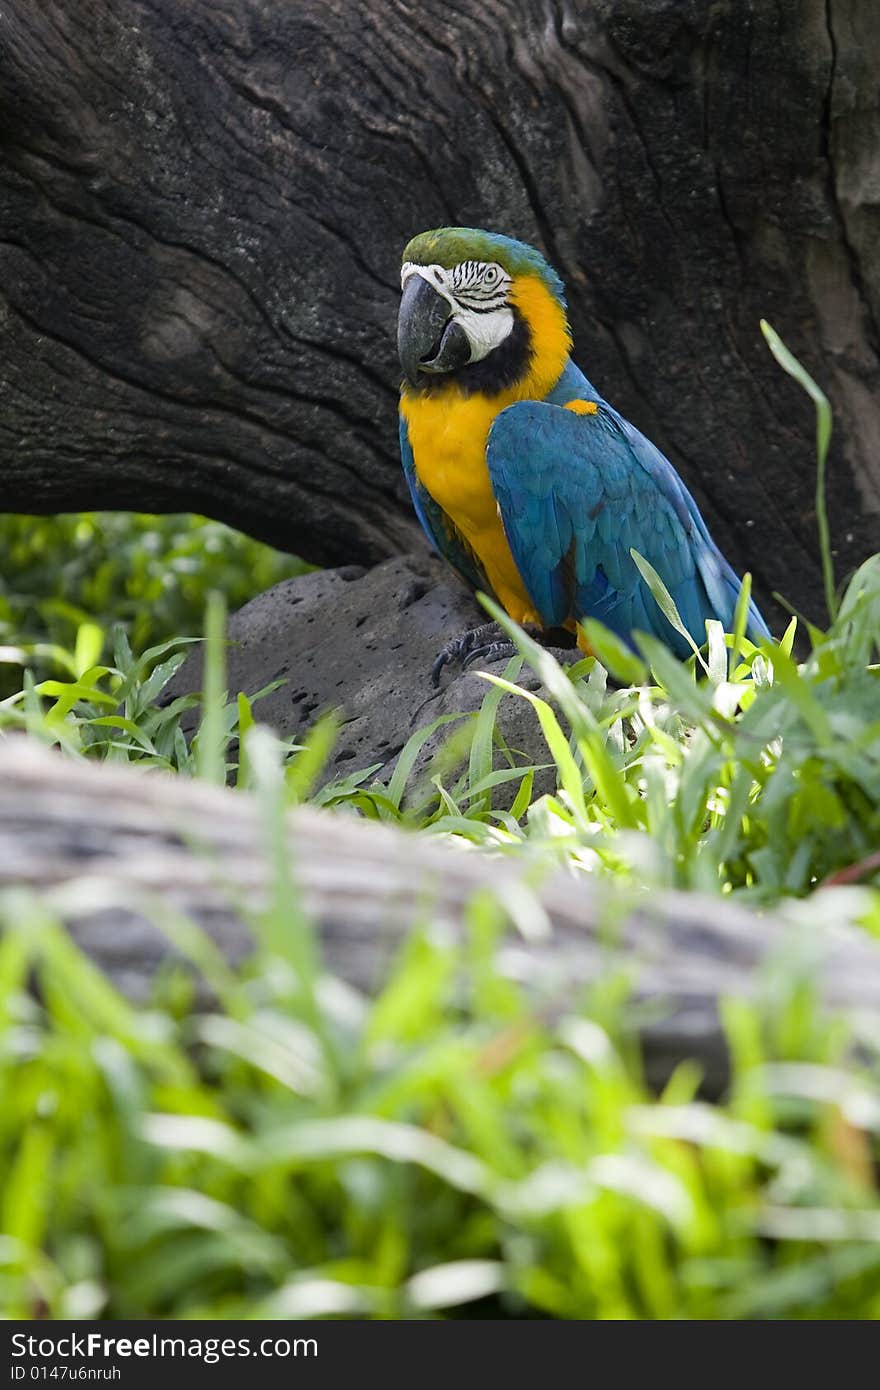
428,341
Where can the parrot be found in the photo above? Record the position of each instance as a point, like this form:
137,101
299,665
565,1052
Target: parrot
526,481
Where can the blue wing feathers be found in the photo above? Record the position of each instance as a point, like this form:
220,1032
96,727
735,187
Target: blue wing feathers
577,493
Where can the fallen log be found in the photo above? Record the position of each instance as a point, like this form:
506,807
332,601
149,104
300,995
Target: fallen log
103,843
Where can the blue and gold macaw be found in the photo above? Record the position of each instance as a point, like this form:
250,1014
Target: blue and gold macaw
529,483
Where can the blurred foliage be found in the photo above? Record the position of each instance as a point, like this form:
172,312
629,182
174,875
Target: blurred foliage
455,1144
300,1151
149,573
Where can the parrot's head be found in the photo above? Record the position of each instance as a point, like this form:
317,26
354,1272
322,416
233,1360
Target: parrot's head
480,312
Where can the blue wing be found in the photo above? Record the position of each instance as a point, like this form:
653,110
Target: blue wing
577,493
438,527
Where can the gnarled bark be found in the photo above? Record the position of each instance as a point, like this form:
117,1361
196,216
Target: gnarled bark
203,204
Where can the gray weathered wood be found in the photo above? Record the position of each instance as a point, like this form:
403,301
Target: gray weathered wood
106,844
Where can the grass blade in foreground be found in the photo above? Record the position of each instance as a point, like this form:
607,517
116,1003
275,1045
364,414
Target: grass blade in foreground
789,363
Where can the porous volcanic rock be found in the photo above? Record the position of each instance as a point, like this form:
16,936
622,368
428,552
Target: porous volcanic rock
362,642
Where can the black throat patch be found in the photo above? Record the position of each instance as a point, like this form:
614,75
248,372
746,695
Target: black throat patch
502,368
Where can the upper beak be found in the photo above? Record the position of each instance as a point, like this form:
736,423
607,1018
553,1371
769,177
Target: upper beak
427,341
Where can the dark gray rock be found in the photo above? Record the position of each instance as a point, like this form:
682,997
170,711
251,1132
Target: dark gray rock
362,642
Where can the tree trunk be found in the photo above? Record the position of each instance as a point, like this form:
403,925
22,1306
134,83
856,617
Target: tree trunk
113,851
203,208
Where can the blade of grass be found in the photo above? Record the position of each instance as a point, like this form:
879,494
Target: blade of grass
789,363
210,749
665,602
480,760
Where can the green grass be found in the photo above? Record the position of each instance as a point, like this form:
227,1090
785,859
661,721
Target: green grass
440,1146
739,772
444,1149
148,573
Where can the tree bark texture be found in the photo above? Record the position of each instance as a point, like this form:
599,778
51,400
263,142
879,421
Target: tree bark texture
113,850
203,204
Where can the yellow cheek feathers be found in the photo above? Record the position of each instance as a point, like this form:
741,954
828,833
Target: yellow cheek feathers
550,334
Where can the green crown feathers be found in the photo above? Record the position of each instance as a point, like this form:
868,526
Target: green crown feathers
449,246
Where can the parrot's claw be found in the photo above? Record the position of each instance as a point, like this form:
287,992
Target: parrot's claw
492,651
468,647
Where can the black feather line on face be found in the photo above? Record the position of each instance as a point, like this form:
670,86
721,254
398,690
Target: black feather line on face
488,306
500,369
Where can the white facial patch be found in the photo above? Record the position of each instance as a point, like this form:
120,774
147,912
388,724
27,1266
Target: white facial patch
477,293
485,331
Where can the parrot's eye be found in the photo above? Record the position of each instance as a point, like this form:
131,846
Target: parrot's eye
490,276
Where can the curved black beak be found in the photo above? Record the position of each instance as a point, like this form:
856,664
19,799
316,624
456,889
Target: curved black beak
427,342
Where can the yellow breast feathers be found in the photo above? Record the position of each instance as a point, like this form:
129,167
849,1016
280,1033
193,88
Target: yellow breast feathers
448,432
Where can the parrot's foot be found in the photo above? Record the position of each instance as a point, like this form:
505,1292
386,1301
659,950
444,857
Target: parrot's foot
486,643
